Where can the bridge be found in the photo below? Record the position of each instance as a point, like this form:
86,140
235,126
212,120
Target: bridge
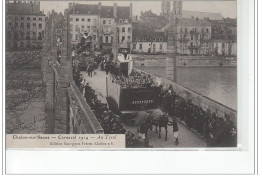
68,112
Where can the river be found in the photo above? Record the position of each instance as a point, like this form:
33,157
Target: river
218,83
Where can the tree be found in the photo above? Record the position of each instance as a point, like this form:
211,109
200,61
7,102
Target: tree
24,88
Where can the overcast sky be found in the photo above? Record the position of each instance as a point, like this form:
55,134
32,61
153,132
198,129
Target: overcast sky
226,8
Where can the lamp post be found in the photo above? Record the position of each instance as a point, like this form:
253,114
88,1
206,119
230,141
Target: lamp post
171,70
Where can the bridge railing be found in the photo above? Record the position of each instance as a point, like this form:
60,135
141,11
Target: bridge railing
207,104
81,118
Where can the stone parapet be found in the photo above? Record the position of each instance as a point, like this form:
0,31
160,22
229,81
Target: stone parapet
81,118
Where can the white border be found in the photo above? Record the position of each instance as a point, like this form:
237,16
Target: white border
160,162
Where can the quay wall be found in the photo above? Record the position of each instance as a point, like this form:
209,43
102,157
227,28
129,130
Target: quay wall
200,100
159,60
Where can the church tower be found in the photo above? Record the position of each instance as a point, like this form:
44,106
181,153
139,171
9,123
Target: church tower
166,8
177,9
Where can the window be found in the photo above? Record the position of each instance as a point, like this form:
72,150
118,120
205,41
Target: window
207,44
28,18
191,44
129,29
154,39
104,21
40,26
77,19
76,36
82,27
123,29
144,39
191,37
106,39
128,37
161,39
207,30
111,39
34,35
123,38
88,19
109,21
34,25
71,19
22,35
82,19
202,30
88,27
186,30
134,46
22,18
28,35
40,19
160,46
140,46
22,25
28,25
34,18
94,37
76,27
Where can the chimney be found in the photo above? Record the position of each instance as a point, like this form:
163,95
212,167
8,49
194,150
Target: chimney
130,10
115,10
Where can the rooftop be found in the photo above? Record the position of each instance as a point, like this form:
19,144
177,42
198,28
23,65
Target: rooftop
123,12
189,22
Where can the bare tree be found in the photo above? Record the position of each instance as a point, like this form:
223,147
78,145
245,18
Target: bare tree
24,86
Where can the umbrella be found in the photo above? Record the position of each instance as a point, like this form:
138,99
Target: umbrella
156,114
141,116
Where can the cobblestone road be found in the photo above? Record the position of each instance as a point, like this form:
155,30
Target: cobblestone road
186,137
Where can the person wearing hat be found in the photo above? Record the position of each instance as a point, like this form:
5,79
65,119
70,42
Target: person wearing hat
175,131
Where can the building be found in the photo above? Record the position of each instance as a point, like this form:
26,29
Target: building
100,22
147,40
224,37
193,36
153,19
177,6
166,8
84,18
201,15
25,25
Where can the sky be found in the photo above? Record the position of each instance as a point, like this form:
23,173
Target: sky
226,8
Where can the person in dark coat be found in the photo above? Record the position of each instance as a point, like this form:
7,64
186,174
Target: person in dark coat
175,131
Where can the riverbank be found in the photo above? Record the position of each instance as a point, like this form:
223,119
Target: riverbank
160,60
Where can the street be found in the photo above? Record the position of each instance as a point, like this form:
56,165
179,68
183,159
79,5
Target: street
186,137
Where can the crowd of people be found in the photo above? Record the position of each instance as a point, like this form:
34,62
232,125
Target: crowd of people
217,131
135,79
110,122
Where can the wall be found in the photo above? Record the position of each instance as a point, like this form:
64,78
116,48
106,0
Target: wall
127,34
81,118
91,26
206,103
147,45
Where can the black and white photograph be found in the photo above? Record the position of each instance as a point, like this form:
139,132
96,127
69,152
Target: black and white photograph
161,73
